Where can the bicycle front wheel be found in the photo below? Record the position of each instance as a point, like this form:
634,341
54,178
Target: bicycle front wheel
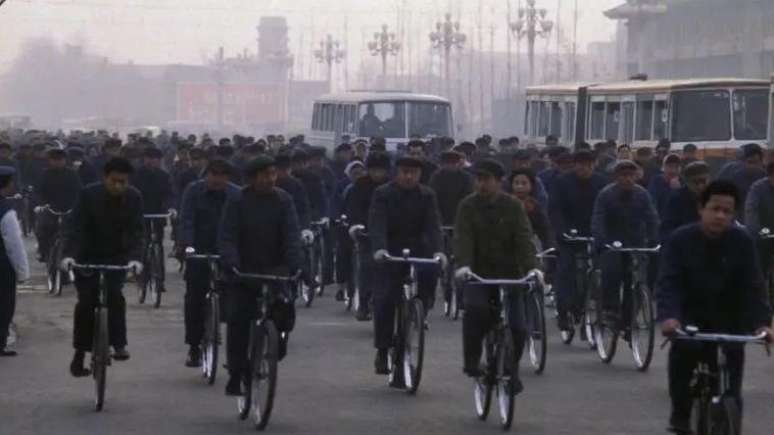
100,356
725,418
642,329
536,324
605,330
263,379
157,274
54,272
414,344
211,340
484,384
506,369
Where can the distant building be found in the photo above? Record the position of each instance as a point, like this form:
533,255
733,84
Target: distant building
697,38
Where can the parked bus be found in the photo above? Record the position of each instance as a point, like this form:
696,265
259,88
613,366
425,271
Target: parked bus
717,115
395,116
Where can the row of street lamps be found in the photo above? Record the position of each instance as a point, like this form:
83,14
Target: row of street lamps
531,24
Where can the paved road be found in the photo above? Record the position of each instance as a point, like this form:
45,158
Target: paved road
326,385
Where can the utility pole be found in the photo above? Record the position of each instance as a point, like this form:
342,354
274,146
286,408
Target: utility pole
575,43
447,35
509,60
532,23
491,71
558,42
329,53
219,63
383,45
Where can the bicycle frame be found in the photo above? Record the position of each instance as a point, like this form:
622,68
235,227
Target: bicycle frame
410,288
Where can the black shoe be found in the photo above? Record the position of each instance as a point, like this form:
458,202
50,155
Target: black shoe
363,316
563,322
7,352
679,426
76,366
473,372
120,354
194,357
380,364
234,386
282,346
340,296
515,386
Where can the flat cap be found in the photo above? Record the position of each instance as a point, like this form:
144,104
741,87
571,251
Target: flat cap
378,159
624,165
489,167
409,162
7,171
258,164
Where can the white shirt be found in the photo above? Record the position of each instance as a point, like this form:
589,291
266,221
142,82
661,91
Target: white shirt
14,245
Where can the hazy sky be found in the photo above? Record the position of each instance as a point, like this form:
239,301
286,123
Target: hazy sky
161,31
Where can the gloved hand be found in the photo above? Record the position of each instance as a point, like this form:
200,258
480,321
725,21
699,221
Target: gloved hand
463,273
67,264
136,266
442,257
380,255
38,209
172,213
307,236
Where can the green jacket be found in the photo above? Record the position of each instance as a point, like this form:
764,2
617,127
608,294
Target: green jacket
494,237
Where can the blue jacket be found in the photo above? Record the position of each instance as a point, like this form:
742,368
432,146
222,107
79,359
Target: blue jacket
200,214
659,190
682,208
759,207
626,216
715,284
572,202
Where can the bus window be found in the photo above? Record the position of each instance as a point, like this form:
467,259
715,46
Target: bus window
543,121
429,119
533,121
612,120
527,113
556,120
597,120
316,117
699,116
627,126
351,115
385,119
644,120
660,118
750,114
569,121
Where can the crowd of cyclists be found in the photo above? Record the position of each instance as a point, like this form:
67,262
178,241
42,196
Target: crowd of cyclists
475,208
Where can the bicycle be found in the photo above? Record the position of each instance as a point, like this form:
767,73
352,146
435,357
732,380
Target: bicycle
549,298
356,233
637,298
212,338
152,280
581,311
451,294
54,272
342,226
319,228
715,409
100,353
263,352
25,210
498,357
407,352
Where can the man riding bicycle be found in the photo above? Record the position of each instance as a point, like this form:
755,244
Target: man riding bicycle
493,239
259,234
709,278
105,227
403,215
58,188
202,207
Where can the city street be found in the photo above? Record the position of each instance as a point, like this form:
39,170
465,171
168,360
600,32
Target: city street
326,384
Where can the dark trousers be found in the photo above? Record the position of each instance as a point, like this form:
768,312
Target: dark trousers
242,309
684,357
566,278
197,280
387,294
46,227
344,247
157,227
87,285
366,276
7,302
616,272
327,256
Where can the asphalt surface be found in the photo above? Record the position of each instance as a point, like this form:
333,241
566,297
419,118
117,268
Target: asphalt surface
326,384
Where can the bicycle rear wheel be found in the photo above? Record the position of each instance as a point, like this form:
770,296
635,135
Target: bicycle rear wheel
643,331
143,278
321,269
264,372
536,322
54,272
100,356
725,418
414,344
308,291
484,385
506,367
157,274
211,340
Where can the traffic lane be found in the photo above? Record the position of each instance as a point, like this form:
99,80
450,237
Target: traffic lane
326,385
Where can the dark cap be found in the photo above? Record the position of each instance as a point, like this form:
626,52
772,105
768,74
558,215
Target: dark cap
219,166
197,154
489,167
583,156
751,150
282,161
672,159
7,171
522,155
377,159
75,152
258,164
317,152
694,169
345,147
451,156
56,154
299,156
409,162
624,165
152,153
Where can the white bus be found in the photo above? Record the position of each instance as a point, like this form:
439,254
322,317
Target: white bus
395,116
718,115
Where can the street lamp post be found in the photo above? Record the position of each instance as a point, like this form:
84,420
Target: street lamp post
447,35
532,23
383,45
330,52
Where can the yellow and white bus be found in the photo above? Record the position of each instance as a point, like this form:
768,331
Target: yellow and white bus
718,115
395,116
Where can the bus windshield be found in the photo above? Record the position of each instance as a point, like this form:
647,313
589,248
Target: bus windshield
750,114
701,116
429,119
382,119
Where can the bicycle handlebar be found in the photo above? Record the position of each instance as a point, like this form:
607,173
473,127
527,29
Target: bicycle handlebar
533,275
766,234
104,267
573,237
322,223
720,338
47,208
159,216
262,277
412,260
546,254
355,231
618,247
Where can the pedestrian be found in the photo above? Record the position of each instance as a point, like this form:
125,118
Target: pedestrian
13,258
